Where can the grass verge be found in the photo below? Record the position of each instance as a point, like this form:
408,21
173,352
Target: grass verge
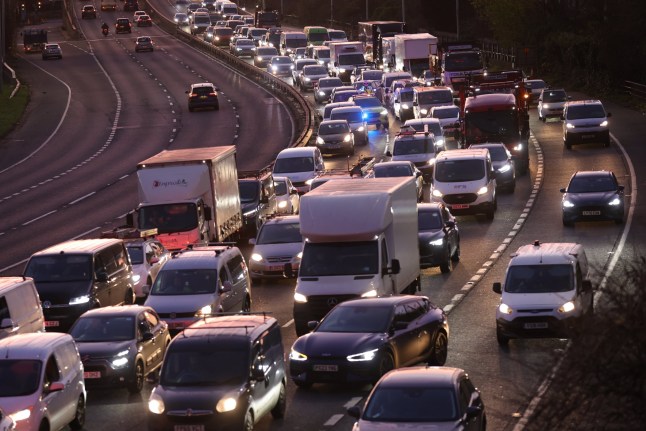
12,109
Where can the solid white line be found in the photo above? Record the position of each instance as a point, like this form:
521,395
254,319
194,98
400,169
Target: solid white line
334,419
533,404
38,218
81,198
290,323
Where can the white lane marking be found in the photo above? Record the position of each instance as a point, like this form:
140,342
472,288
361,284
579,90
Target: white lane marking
334,419
290,323
81,198
353,402
533,404
38,218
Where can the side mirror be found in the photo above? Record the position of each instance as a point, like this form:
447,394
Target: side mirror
252,241
6,323
354,411
586,285
562,190
450,224
620,189
418,174
226,287
186,92
497,287
102,276
257,374
147,336
312,324
288,271
264,199
473,411
388,153
608,115
395,267
55,387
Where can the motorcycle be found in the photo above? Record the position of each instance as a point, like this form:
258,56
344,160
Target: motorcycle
105,32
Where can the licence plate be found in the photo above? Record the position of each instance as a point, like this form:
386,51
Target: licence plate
92,374
332,146
202,97
587,136
328,368
51,323
535,325
459,206
591,213
188,428
276,268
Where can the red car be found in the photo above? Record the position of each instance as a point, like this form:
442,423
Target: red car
144,21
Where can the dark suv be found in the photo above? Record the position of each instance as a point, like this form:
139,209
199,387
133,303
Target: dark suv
123,25
224,372
203,95
257,197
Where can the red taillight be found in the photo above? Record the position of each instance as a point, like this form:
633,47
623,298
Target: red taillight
213,94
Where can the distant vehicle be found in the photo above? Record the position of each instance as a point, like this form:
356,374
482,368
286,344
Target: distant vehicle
355,118
430,125
535,87
593,195
243,48
335,137
129,5
401,168
88,12
34,39
287,197
222,36
449,117
337,35
203,95
585,121
20,308
123,25
280,65
264,55
180,19
422,398
439,238
503,165
300,165
52,50
373,111
278,242
551,102
144,21
323,88
257,198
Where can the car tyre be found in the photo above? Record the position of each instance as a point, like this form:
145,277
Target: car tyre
386,363
606,143
455,257
79,417
502,339
247,424
129,298
490,214
44,426
619,220
567,223
246,305
136,384
445,267
281,403
439,350
568,144
303,385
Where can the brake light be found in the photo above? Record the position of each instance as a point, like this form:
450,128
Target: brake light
212,94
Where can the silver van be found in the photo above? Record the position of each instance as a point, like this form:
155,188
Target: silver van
20,310
75,276
41,381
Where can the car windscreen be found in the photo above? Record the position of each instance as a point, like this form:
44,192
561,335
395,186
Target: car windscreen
96,329
351,59
406,147
539,278
355,258
554,96
333,128
429,220
367,102
267,51
19,377
591,184
578,112
323,53
205,364
351,117
343,96
434,97
392,171
314,70
337,34
461,61
357,319
412,403
168,217
406,96
285,165
257,32
281,60
301,64
458,171
280,233
185,282
330,83
245,42
280,188
248,191
388,79
223,31
372,75
498,153
60,267
446,113
318,37
136,254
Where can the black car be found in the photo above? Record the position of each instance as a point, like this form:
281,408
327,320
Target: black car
593,195
203,95
123,25
439,238
120,346
438,398
361,340
224,372
503,165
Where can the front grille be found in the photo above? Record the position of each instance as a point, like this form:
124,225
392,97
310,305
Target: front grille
463,198
320,305
176,315
279,259
535,310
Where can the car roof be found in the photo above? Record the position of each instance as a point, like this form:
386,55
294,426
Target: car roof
394,163
326,122
584,102
426,120
462,154
202,84
422,377
590,174
288,219
36,345
547,253
297,152
199,257
241,326
488,145
113,310
346,109
79,246
444,108
377,302
428,206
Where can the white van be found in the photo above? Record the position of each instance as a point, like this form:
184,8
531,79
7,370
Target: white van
20,309
41,381
301,165
290,40
464,180
546,291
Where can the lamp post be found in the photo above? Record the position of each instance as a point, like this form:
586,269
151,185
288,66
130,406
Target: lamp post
457,19
331,13
403,12
366,10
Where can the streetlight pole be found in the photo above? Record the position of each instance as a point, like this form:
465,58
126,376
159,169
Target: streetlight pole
366,10
403,12
457,19
331,13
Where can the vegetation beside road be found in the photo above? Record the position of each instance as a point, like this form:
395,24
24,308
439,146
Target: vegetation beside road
12,109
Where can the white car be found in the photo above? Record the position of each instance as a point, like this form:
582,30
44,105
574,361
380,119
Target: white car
146,256
6,423
279,242
287,198
449,117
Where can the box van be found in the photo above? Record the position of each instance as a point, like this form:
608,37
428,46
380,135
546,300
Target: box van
221,372
290,40
546,291
75,276
464,180
41,379
20,310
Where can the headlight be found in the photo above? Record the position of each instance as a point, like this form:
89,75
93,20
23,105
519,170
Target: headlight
257,257
384,112
361,129
320,141
567,307
299,297
238,49
253,48
347,138
439,143
518,147
217,37
321,93
437,193
405,106
545,106
80,300
604,124
370,294
226,404
309,182
299,255
365,356
136,278
505,168
250,213
616,201
21,415
120,360
423,111
297,356
155,404
437,242
483,190
274,67
569,125
281,205
291,67
204,311
259,58
505,309
321,62
568,204
306,79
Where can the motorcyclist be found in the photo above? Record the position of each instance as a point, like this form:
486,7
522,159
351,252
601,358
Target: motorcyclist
104,26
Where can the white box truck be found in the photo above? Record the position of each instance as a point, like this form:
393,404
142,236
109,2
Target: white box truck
360,241
412,52
344,57
190,196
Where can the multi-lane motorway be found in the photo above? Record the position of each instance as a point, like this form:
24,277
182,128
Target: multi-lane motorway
66,172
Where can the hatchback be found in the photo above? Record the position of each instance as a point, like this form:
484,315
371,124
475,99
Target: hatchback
123,25
335,137
593,195
585,121
144,43
278,242
203,95
439,238
52,50
551,103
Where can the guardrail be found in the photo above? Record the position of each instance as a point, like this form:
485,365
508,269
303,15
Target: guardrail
304,116
635,89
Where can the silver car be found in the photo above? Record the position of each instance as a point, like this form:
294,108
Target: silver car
279,242
146,256
287,198
264,55
335,137
243,48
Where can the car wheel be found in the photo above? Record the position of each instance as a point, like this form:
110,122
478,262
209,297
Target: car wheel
303,385
502,339
567,223
279,409
455,257
386,363
619,220
44,426
512,187
136,383
543,119
439,350
490,214
568,144
606,143
247,424
445,267
246,306
79,417
129,298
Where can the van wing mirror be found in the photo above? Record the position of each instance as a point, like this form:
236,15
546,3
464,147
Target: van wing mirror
208,215
395,267
101,276
6,323
226,287
497,287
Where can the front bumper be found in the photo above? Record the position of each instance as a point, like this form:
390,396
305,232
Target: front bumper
60,318
468,203
272,269
195,419
99,373
431,256
593,213
584,136
334,370
536,327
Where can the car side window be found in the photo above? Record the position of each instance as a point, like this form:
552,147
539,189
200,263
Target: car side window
67,357
120,257
107,257
143,326
99,265
236,268
384,254
4,309
465,395
52,373
151,318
